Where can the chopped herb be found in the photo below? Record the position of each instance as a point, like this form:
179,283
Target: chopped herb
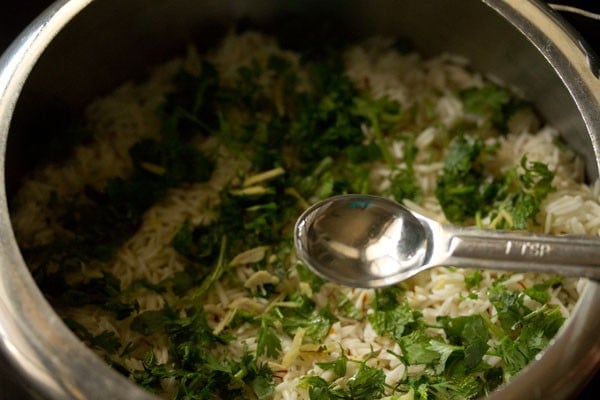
404,186
348,309
509,307
382,114
268,342
473,279
211,379
463,188
466,190
392,318
492,102
151,322
191,106
319,389
535,329
338,366
315,322
366,383
104,292
417,349
324,121
214,275
105,340
523,203
472,333
540,291
306,275
322,136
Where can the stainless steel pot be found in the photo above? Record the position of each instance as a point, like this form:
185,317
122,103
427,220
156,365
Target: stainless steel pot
79,49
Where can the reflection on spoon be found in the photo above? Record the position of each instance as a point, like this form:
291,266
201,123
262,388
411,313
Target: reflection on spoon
370,241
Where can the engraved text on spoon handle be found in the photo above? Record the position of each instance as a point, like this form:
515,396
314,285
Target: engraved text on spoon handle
567,255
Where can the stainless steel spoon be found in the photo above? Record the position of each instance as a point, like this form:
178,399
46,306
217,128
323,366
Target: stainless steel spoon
370,241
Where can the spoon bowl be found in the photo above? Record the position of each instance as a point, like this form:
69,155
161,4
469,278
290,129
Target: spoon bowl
361,239
371,241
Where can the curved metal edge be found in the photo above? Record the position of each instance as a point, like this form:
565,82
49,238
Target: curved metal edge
575,10
49,360
593,59
15,66
569,56
565,51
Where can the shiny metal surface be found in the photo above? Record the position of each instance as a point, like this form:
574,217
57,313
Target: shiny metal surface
79,49
34,340
370,241
362,241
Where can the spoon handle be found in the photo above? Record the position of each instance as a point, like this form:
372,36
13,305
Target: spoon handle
567,255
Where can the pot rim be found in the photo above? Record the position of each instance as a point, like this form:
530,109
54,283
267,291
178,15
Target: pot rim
52,361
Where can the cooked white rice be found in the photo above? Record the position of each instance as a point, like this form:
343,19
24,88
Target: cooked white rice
128,114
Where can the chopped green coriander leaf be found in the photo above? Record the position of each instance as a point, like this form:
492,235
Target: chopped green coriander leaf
105,340
473,279
473,296
509,307
467,387
492,102
444,350
150,377
536,330
393,318
170,161
324,121
104,292
233,155
540,291
463,188
382,114
190,107
363,153
200,243
268,343
523,203
387,299
150,322
404,186
348,309
211,379
315,322
338,366
319,389
214,276
366,383
417,349
306,275
472,333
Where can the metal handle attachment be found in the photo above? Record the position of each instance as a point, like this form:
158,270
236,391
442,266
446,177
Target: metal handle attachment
567,255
